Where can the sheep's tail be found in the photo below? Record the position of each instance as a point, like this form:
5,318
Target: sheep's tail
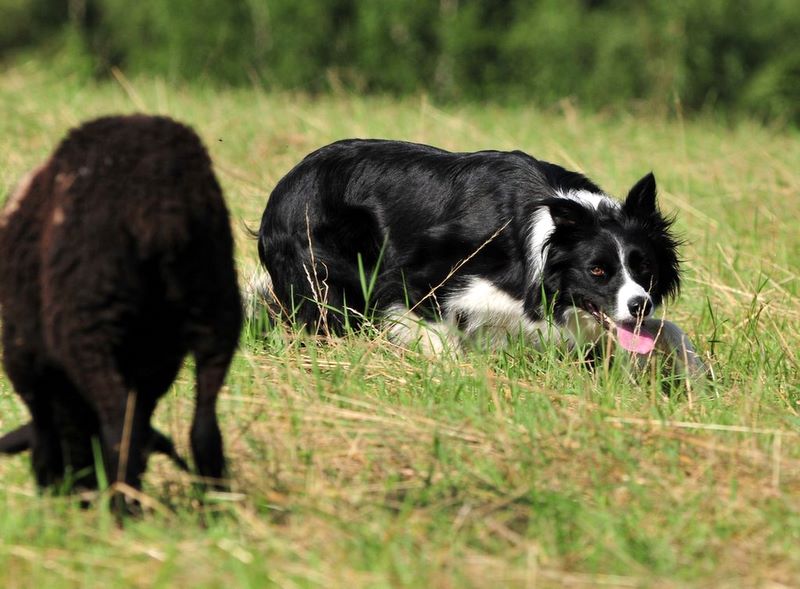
17,441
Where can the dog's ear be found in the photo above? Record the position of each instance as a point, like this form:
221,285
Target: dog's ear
566,212
641,200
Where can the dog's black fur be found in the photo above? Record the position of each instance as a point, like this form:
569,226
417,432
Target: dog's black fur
414,213
116,260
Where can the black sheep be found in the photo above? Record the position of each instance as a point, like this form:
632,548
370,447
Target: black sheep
116,260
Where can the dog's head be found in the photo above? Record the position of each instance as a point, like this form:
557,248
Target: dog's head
609,264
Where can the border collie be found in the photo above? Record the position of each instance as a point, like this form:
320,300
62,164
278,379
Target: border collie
487,242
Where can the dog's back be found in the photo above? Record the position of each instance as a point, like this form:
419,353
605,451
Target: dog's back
407,211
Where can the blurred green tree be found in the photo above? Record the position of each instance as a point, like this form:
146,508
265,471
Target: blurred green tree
733,56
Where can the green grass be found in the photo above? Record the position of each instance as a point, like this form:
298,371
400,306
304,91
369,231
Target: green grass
357,465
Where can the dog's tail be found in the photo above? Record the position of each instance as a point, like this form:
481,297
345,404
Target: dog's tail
257,292
17,441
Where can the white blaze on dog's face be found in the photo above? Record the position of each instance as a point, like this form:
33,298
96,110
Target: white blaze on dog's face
634,302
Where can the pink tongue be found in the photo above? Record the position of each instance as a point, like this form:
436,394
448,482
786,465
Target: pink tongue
641,342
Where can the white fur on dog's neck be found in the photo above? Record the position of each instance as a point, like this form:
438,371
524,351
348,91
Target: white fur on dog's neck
484,308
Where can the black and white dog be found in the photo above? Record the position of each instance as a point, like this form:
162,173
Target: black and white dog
488,242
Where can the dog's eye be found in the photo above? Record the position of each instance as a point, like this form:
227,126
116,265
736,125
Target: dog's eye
597,271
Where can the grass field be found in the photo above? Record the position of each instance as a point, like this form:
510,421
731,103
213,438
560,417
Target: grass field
355,464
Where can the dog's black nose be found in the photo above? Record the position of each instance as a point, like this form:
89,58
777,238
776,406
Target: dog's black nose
640,306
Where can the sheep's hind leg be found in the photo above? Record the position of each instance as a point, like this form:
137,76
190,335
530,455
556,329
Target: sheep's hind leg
35,387
206,437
